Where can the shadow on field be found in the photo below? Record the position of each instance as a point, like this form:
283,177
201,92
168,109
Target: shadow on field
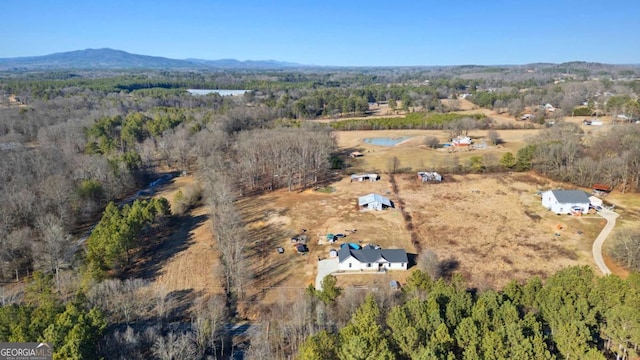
448,266
265,234
181,302
160,247
413,260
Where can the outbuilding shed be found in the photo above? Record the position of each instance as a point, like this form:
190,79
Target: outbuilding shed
374,202
363,177
429,176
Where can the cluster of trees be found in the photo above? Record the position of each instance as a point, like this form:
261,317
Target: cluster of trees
274,158
142,322
116,132
229,231
118,232
568,98
416,120
73,328
565,153
625,248
45,193
623,105
574,315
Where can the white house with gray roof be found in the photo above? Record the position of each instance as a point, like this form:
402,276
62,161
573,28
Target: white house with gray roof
566,201
371,259
373,202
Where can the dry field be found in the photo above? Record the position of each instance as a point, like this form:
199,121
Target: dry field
416,156
274,218
489,228
191,261
492,228
459,104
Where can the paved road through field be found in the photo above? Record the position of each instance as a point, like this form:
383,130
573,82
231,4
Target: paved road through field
611,217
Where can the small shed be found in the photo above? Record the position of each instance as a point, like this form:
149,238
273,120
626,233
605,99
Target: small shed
374,202
600,189
363,177
356,154
429,176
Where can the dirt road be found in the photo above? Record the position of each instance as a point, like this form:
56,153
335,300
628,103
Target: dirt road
610,216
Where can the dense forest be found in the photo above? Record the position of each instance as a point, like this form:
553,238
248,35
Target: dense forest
76,146
573,315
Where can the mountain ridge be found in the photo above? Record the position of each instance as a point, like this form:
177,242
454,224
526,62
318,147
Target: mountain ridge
107,58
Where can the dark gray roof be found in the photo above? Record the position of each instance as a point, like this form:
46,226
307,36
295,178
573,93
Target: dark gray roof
571,196
364,200
371,255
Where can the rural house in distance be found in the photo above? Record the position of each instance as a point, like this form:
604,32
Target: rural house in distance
370,258
374,202
566,201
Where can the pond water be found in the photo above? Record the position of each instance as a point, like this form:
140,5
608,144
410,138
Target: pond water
222,92
385,141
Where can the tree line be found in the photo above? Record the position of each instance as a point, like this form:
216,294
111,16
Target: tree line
573,315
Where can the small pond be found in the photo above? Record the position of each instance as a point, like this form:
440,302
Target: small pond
385,141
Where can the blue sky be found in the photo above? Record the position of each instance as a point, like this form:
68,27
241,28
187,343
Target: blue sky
332,32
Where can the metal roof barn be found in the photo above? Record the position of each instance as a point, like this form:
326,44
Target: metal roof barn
374,202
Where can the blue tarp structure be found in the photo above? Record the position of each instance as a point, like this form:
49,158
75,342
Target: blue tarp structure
351,245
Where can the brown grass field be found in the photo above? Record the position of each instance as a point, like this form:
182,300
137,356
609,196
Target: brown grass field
415,156
490,228
194,263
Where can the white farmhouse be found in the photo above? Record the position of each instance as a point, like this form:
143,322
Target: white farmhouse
370,258
566,201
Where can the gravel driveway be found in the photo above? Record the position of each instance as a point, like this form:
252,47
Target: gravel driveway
610,216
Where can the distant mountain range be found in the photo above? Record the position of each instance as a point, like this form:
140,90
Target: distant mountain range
118,59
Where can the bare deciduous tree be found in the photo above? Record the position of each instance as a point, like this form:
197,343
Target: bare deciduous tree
626,249
175,346
54,250
494,137
432,142
393,165
429,264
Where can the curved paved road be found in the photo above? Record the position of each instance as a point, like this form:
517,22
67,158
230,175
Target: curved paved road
610,216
